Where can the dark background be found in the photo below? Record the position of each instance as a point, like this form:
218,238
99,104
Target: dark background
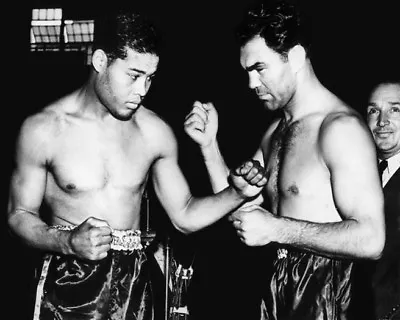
354,43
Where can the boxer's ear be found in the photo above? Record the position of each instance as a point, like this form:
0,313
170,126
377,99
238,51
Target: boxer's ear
99,60
297,57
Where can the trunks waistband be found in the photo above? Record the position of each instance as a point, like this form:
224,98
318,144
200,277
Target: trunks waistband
283,251
127,240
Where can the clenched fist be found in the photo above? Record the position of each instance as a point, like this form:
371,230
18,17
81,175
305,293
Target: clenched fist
256,226
249,178
91,239
201,124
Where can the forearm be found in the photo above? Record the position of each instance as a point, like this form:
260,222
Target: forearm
35,233
216,167
203,212
345,239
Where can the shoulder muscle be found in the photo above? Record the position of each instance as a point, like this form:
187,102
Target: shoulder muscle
345,136
157,133
35,135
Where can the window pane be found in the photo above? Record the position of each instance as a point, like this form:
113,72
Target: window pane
80,30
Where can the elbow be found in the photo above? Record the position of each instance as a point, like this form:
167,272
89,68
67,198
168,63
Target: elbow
13,223
184,228
374,253
375,244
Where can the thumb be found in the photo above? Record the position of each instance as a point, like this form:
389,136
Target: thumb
97,223
248,208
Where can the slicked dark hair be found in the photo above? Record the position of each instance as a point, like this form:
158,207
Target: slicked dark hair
118,30
282,24
385,78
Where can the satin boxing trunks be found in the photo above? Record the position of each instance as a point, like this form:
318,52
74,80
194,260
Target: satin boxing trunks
307,286
117,287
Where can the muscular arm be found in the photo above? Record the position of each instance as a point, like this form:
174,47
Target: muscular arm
349,153
202,126
187,213
27,189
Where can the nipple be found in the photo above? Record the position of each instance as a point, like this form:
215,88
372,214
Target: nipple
71,186
293,189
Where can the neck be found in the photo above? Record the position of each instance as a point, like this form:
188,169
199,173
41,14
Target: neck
386,156
308,97
89,103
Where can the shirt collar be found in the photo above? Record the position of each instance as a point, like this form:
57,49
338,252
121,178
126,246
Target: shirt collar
393,162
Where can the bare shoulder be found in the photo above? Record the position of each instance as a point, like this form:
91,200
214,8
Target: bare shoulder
156,131
39,126
39,129
342,121
343,132
51,117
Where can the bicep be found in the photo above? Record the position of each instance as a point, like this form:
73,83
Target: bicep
27,188
170,186
169,182
350,155
28,179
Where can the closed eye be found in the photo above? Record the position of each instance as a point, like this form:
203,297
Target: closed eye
134,76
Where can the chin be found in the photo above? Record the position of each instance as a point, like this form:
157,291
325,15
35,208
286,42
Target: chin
270,106
125,116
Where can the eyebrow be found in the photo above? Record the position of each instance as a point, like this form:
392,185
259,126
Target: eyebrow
137,70
255,66
142,72
392,103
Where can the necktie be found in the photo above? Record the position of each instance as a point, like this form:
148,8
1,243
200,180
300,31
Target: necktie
382,166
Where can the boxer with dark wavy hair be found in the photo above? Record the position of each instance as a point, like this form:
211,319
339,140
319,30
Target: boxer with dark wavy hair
323,203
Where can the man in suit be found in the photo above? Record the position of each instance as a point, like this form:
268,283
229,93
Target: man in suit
383,117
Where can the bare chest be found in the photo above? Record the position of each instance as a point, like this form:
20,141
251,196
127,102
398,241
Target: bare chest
85,161
294,167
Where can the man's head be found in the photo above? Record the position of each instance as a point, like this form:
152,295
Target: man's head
274,45
117,31
383,117
125,58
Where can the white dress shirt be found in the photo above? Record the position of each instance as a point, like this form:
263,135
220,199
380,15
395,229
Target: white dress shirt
393,165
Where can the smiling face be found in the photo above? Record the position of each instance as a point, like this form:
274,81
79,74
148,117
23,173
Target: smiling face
270,74
383,117
122,84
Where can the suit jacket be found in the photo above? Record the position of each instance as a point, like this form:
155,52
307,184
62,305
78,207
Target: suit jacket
386,271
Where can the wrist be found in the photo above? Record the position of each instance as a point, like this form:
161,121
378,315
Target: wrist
239,194
281,228
65,240
63,237
210,151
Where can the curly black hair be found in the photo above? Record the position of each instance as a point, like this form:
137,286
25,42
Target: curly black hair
118,30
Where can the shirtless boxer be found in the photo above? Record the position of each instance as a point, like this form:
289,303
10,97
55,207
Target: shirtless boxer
323,202
81,167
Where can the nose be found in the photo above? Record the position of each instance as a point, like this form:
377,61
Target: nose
383,119
254,81
141,86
